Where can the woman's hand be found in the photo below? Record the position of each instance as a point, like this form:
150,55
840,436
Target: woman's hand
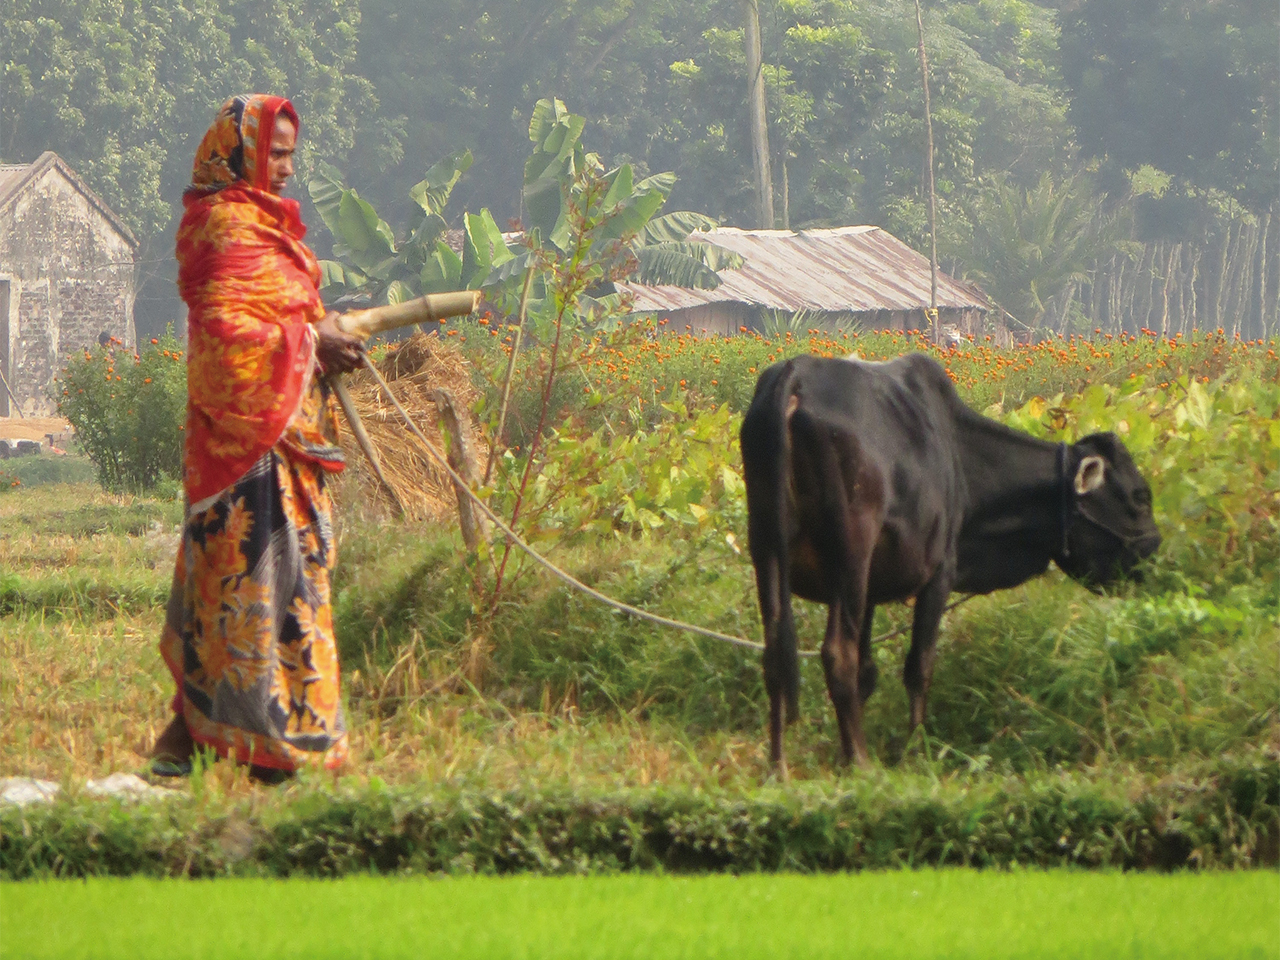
337,352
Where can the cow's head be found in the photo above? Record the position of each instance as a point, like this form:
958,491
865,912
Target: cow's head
1107,508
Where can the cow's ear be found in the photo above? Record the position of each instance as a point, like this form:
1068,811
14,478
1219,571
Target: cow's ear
1090,475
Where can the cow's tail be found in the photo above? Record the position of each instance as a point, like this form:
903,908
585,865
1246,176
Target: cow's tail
766,457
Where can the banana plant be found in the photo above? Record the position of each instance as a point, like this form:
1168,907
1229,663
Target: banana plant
661,245
371,265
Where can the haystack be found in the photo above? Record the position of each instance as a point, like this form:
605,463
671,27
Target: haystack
414,369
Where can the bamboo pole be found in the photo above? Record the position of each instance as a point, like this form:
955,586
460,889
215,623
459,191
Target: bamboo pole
433,306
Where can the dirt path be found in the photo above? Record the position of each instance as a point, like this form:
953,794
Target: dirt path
36,428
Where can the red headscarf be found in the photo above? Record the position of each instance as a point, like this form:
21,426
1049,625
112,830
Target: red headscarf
251,287
238,144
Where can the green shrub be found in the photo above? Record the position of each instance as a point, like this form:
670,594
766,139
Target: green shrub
128,411
37,471
1221,814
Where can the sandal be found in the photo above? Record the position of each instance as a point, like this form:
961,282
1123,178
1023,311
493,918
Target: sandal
168,767
171,755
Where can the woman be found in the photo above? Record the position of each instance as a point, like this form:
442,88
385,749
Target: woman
248,634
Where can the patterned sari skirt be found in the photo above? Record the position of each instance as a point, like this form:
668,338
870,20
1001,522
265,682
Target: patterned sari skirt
248,634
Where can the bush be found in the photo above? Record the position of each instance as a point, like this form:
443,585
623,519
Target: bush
39,471
128,411
1221,814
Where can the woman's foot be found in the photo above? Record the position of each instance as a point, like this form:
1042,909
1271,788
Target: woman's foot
270,776
174,748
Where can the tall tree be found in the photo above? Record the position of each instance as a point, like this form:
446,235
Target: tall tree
1189,87
756,110
930,186
123,90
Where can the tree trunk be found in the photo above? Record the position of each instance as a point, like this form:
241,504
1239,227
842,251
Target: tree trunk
1180,290
1130,308
1174,251
928,165
1191,284
1220,280
1113,294
755,106
1258,294
1245,254
786,195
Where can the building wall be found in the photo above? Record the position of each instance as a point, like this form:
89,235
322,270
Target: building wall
711,320
70,277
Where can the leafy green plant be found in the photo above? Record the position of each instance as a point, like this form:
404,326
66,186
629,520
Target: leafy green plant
371,263
128,411
37,471
681,474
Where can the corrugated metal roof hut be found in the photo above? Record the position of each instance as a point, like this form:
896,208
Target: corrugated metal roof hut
66,278
839,275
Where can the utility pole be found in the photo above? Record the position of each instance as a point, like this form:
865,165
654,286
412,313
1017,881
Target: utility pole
933,208
755,105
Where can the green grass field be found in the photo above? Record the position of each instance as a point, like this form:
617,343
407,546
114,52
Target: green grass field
951,913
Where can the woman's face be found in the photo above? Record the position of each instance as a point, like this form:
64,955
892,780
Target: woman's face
284,140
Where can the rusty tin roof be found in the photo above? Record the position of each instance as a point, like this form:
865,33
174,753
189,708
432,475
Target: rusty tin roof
852,269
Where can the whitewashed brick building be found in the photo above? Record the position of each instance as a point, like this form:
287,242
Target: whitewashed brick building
66,278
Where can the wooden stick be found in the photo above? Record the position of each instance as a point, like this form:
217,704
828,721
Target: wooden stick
434,306
16,405
362,438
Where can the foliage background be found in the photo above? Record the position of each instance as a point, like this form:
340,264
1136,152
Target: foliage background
1030,101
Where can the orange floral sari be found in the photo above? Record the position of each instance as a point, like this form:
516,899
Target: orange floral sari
248,635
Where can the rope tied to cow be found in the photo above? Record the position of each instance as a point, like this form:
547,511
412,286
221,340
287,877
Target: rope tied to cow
569,579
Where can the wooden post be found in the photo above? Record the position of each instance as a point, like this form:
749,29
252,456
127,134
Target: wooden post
16,405
464,464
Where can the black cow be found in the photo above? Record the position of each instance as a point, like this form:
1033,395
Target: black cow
873,482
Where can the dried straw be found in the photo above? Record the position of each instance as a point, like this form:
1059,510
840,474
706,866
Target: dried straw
414,369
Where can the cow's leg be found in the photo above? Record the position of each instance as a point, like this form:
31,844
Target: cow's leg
867,671
840,664
845,657
775,610
917,673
